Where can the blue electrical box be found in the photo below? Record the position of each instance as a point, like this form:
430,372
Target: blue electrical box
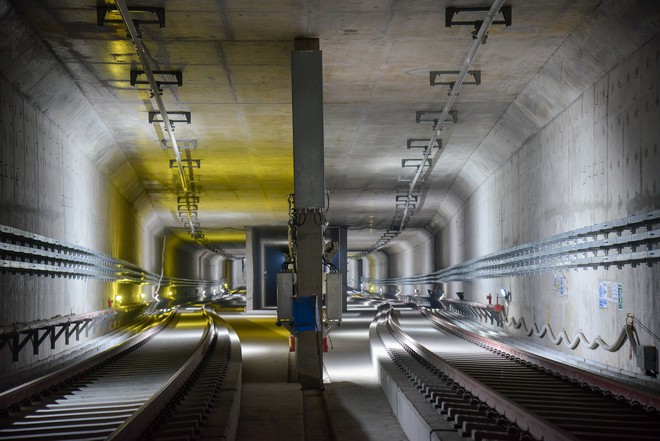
306,314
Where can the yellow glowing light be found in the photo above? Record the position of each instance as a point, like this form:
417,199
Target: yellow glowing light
118,298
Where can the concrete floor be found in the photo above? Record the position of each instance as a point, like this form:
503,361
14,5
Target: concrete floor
273,409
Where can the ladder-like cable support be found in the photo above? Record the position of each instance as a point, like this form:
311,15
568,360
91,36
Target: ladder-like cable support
148,71
453,93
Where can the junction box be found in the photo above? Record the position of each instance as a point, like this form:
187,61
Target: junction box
647,359
285,283
332,283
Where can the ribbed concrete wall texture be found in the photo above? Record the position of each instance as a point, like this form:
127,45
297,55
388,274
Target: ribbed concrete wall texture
594,162
50,187
61,177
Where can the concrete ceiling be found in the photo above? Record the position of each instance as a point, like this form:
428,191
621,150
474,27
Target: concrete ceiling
235,59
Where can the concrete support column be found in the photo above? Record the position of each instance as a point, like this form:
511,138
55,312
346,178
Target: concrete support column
309,191
360,273
235,273
229,275
340,260
309,283
252,274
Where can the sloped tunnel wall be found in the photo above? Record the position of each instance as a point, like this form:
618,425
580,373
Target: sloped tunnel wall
597,161
60,172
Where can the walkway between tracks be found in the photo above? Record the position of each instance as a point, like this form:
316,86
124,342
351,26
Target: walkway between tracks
352,407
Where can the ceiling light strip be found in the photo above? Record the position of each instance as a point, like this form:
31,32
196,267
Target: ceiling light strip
128,21
453,93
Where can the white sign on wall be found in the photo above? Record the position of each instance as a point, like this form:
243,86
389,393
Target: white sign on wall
610,292
560,284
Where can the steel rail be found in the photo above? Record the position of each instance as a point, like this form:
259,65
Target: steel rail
581,405
88,404
140,421
537,426
209,407
635,394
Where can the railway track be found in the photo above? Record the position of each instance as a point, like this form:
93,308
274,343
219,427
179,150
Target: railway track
140,392
487,392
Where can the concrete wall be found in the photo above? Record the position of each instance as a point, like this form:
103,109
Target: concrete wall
597,160
188,261
353,273
63,176
50,187
235,271
411,255
375,266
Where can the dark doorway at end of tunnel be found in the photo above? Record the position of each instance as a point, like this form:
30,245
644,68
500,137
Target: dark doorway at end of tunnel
275,258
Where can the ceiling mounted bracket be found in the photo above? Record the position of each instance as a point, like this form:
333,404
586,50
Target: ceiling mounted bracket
187,200
190,163
436,74
421,143
126,13
402,206
164,74
184,144
403,186
451,12
427,116
414,162
102,11
187,117
404,211
191,221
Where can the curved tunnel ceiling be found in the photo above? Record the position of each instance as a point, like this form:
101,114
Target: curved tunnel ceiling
235,60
